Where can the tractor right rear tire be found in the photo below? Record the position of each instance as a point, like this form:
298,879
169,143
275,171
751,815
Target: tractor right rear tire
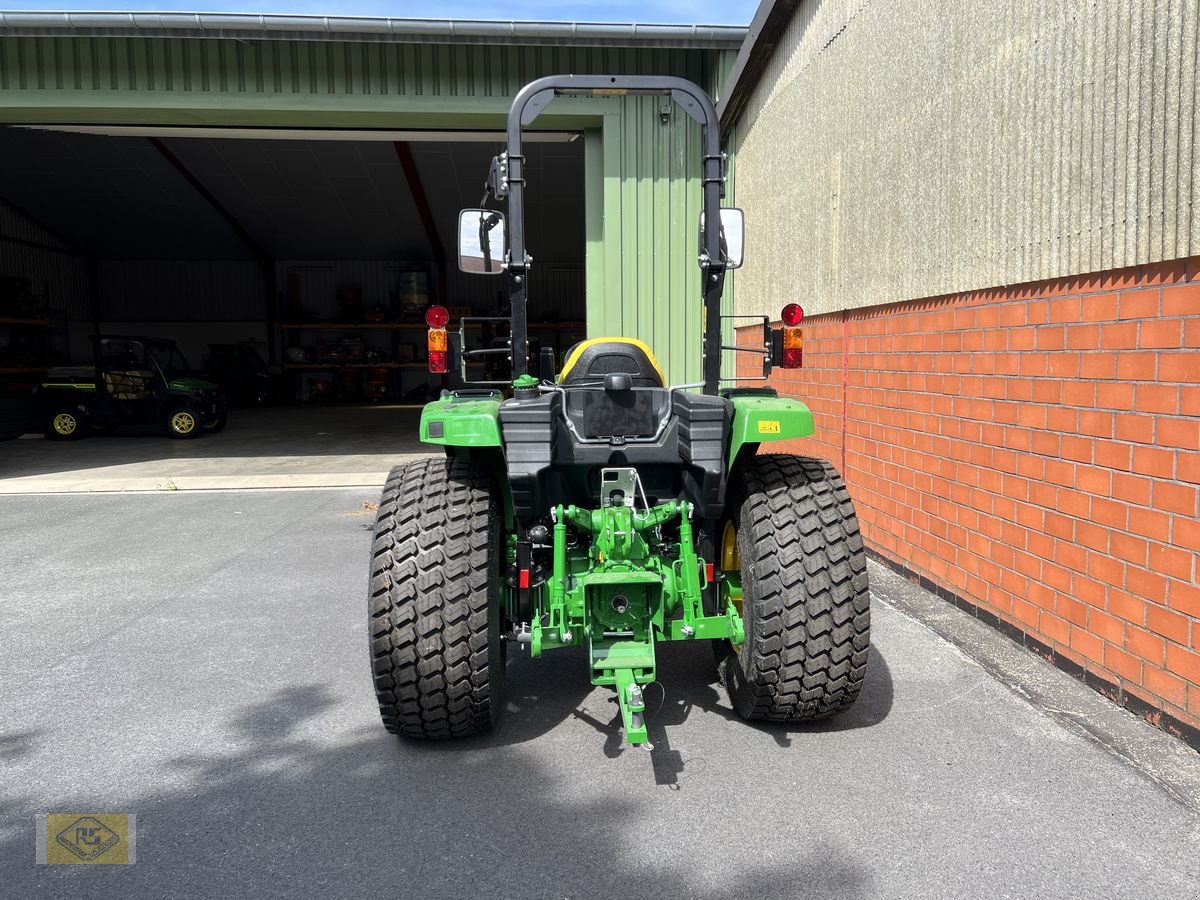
805,597
434,607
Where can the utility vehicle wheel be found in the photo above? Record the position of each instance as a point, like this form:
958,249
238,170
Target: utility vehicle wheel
792,544
434,612
66,425
183,422
216,423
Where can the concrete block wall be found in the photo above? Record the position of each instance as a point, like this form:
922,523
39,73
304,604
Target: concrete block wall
1033,453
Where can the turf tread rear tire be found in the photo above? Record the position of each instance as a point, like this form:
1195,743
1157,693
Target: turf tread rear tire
806,600
436,654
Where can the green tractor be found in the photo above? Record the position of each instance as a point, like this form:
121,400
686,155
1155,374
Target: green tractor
599,507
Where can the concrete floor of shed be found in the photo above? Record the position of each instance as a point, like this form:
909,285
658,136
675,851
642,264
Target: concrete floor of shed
286,446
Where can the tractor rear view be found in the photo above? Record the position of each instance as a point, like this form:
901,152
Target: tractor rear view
600,507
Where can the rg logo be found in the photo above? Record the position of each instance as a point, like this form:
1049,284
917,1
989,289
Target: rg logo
88,838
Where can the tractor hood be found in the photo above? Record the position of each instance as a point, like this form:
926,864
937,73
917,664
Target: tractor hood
191,384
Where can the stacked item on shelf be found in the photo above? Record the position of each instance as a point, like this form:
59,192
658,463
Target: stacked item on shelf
342,350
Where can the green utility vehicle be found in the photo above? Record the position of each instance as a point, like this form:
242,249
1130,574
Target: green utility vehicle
134,381
599,507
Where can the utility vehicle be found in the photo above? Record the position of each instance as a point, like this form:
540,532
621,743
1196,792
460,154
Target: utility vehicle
243,376
134,381
600,507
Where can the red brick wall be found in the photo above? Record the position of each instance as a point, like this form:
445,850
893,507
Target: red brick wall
1034,451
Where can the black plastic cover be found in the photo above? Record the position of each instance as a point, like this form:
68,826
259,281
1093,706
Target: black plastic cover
548,466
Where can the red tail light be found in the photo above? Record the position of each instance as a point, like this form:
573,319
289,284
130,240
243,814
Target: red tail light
437,346
437,317
793,348
792,314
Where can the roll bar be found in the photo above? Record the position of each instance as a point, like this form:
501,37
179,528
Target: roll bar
507,181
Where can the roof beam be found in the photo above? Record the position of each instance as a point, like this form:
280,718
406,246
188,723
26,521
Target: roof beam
770,22
413,177
189,176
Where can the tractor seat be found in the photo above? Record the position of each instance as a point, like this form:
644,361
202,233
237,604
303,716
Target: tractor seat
589,361
600,413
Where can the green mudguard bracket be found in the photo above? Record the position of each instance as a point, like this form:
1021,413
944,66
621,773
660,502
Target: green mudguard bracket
461,422
757,420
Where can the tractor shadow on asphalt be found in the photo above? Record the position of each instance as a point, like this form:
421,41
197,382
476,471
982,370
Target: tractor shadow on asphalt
541,694
687,683
16,745
300,795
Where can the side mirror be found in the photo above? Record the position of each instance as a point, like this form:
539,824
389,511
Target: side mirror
733,236
481,241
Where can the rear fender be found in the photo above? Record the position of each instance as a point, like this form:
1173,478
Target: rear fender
468,427
760,419
455,421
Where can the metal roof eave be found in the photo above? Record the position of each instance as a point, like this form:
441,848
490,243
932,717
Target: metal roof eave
255,26
768,25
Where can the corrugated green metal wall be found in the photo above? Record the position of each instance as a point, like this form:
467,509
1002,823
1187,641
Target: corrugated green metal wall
311,67
643,184
645,270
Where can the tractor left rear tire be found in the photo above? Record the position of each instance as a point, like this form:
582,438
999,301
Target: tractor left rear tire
434,606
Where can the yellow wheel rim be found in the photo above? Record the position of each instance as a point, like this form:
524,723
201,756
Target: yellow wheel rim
64,423
731,561
183,423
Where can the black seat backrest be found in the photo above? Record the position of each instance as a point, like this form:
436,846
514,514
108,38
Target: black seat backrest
589,361
597,413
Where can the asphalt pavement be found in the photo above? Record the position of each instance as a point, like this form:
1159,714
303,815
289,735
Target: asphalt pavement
200,660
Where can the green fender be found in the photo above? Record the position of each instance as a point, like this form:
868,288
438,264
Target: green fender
462,422
469,428
759,419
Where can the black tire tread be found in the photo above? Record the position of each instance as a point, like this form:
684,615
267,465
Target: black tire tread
433,648
806,595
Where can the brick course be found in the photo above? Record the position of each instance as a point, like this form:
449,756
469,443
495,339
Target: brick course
1035,451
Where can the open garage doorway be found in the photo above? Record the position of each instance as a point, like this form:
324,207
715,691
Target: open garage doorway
292,267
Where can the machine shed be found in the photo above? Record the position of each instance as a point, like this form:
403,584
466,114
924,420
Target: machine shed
291,183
